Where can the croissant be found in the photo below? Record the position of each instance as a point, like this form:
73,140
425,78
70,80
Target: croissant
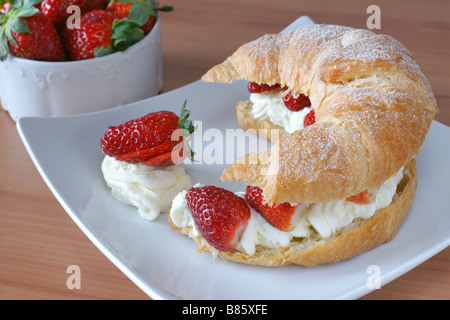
373,108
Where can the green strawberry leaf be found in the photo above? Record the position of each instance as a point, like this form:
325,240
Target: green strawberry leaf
125,34
4,50
188,128
100,52
30,3
141,12
184,122
27,12
19,26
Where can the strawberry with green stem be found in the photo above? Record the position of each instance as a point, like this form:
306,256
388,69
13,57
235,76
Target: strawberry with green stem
157,139
100,34
26,32
142,11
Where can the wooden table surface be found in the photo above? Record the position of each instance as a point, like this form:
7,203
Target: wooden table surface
38,240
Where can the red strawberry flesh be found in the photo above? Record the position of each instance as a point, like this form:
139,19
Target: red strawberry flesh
296,104
361,198
309,119
282,216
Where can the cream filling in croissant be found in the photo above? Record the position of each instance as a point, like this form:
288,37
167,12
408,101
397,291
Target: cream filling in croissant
324,219
270,105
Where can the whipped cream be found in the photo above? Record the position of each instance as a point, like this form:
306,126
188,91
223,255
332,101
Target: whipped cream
324,218
270,105
150,189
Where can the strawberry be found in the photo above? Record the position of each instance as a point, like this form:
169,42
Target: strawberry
220,215
143,11
309,119
362,198
282,216
97,5
100,34
296,104
26,32
254,87
56,10
150,140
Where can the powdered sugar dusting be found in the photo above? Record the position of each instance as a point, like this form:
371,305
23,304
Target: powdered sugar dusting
373,108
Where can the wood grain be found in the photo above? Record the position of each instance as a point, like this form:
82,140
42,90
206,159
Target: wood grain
38,240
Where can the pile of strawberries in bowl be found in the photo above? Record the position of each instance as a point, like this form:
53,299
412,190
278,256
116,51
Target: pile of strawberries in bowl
66,57
60,30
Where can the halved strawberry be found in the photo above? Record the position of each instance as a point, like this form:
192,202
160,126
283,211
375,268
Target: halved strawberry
150,140
309,119
220,215
282,216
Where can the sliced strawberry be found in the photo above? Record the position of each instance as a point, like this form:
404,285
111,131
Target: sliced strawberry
309,119
254,87
220,215
282,216
362,198
296,104
150,139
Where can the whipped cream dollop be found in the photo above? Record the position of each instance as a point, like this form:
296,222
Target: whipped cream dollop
150,189
324,218
270,105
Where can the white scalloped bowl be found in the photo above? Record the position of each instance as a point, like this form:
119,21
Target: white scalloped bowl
47,89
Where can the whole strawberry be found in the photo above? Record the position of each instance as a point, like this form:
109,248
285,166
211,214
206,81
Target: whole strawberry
220,215
26,32
150,140
100,34
282,216
143,11
56,10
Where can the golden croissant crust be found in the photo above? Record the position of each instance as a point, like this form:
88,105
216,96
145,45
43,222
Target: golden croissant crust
373,110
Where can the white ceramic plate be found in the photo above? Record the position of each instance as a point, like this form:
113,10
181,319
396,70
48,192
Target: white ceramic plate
165,264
